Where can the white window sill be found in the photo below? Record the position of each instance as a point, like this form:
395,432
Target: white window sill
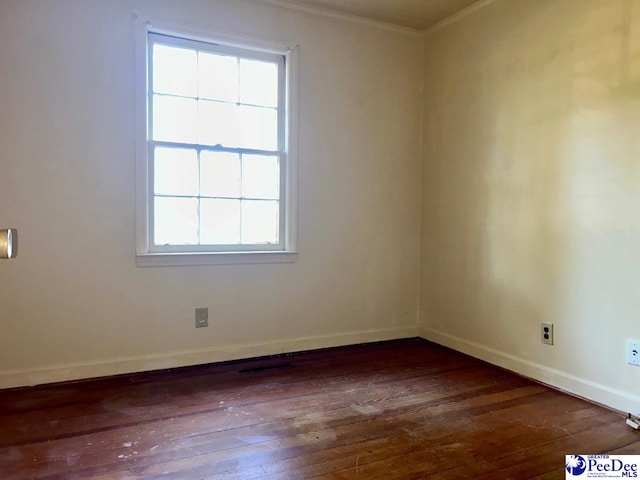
213,258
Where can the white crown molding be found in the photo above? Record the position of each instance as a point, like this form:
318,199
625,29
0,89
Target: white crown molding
347,17
459,15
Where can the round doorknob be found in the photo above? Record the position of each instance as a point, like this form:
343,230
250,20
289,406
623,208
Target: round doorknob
8,243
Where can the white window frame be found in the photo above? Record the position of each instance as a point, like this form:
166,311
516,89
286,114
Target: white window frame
148,255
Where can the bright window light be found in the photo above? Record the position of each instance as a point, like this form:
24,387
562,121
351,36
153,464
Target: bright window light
217,153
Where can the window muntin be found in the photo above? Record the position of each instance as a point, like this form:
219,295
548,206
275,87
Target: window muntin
216,140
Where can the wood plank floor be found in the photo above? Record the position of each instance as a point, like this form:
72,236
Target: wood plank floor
404,409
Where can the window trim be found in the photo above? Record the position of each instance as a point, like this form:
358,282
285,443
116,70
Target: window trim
145,254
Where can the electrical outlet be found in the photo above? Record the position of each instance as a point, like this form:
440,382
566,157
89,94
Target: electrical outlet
546,333
202,317
633,353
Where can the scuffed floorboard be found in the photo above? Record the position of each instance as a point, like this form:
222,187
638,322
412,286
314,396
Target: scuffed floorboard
405,409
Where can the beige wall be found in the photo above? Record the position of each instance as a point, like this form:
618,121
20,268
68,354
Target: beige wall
530,194
73,304
531,190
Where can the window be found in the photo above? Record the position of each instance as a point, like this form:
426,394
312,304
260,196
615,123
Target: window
217,173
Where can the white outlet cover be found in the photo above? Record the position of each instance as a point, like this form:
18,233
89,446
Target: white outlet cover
633,353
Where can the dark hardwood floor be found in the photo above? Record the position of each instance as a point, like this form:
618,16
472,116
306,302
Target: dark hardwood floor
394,410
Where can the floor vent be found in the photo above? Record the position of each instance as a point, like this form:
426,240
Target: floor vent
266,368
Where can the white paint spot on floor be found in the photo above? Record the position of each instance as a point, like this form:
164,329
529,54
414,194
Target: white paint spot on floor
71,459
366,409
153,448
120,456
412,433
127,444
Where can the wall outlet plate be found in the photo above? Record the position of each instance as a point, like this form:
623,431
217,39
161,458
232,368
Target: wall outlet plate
633,352
202,317
546,333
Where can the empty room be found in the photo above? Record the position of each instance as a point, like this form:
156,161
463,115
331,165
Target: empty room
319,239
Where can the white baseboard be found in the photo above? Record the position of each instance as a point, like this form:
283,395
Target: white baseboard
77,371
614,398
596,392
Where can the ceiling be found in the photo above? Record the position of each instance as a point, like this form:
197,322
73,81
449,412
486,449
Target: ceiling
416,14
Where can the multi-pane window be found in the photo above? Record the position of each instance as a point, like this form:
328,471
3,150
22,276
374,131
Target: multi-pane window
216,147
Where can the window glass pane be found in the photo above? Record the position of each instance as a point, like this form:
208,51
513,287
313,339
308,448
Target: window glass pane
201,96
174,119
218,123
217,77
176,221
219,174
175,171
219,221
259,221
260,176
258,83
259,127
175,71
